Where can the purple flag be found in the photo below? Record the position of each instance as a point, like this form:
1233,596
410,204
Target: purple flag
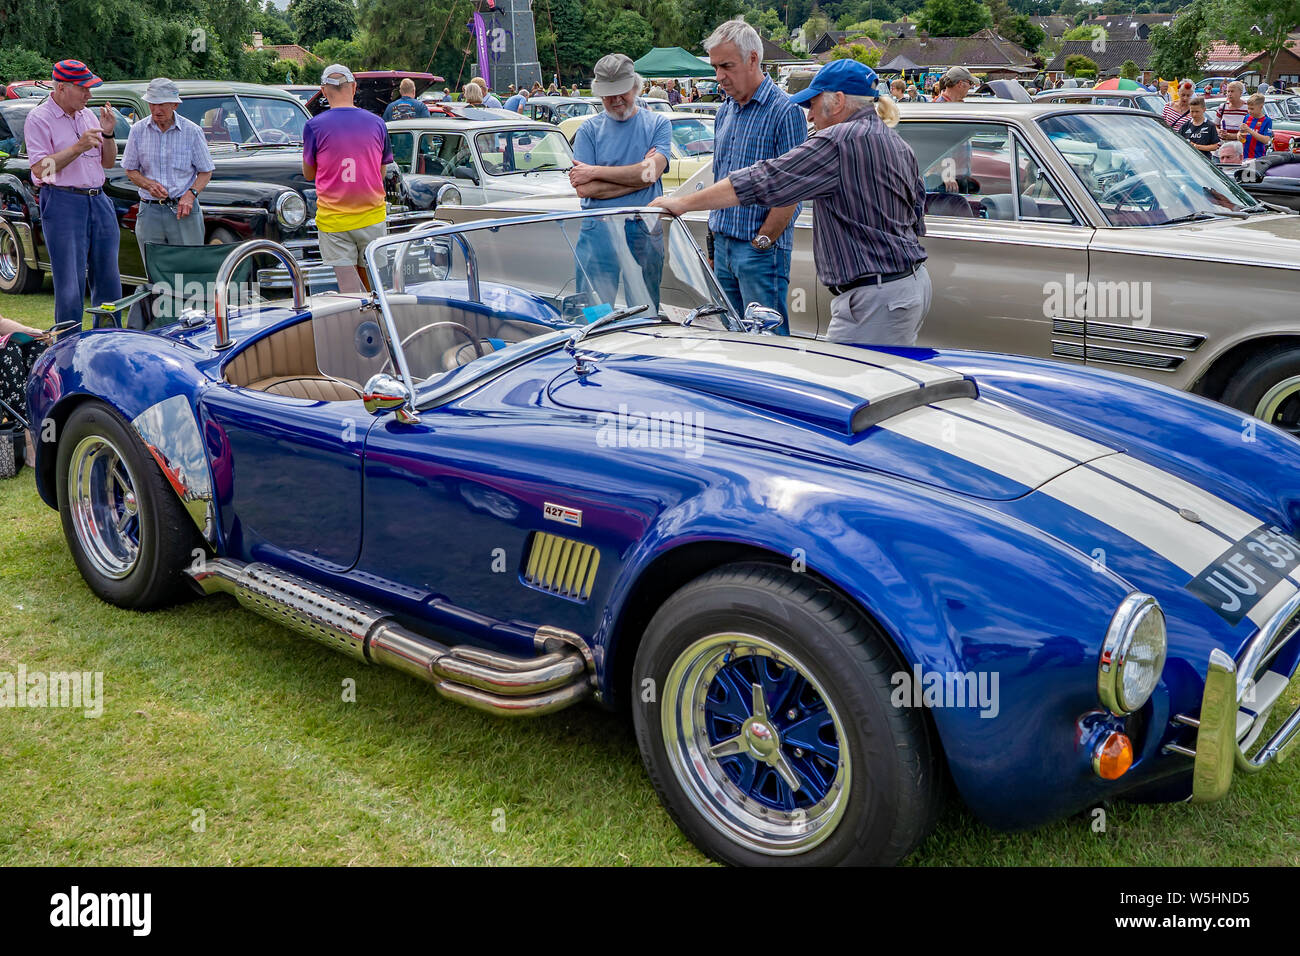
479,29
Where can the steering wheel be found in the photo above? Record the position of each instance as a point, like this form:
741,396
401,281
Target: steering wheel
277,136
1123,191
474,339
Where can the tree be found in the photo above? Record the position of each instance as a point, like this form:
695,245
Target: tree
1020,29
20,63
867,28
815,26
321,19
626,32
699,18
858,51
1129,70
1181,48
954,18
1085,31
273,25
1274,19
1077,64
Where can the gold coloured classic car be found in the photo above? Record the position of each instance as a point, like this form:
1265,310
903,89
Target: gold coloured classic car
1092,235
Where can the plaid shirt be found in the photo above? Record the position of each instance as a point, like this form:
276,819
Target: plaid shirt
870,200
174,158
765,127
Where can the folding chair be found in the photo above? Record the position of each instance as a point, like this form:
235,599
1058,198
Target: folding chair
175,274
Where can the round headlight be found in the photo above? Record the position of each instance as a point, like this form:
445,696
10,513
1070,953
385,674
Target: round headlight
291,210
1133,656
448,195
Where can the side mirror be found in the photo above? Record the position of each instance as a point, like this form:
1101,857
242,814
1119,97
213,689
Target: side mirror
384,392
761,319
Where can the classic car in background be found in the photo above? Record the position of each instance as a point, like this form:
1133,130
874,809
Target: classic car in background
487,160
709,109
557,109
1274,178
595,494
238,204
1091,235
24,88
1129,99
692,147
257,188
376,89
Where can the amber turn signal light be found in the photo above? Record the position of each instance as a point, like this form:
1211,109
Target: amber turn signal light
1113,756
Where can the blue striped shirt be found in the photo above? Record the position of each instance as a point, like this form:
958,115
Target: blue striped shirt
765,127
870,200
174,158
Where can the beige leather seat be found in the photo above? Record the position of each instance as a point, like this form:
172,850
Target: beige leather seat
285,364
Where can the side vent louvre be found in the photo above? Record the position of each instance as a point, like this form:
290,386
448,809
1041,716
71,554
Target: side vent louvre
562,566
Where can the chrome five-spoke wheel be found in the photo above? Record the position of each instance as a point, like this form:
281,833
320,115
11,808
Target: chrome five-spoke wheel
755,742
105,510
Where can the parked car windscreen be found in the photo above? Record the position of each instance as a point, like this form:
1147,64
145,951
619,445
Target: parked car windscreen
694,137
12,119
464,298
246,119
1140,172
508,152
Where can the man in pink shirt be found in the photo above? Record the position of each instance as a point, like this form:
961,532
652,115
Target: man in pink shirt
69,148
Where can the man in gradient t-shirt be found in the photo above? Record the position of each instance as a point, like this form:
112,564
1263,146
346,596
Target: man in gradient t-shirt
344,150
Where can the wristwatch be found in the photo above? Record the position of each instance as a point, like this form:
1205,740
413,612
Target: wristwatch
195,192
761,243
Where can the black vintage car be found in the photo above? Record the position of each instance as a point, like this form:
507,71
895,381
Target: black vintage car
257,188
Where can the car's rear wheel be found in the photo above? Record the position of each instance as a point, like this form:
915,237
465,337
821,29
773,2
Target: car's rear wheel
16,276
129,536
764,718
1268,387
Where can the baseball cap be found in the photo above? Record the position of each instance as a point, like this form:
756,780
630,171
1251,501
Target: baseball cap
162,90
75,72
958,74
330,77
614,75
840,76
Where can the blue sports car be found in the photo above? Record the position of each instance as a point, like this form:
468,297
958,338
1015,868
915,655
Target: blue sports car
544,461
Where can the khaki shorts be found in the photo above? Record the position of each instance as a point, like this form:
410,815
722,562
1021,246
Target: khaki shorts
348,248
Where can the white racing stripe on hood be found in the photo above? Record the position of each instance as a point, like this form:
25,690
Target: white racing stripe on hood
1005,454
1059,440
869,376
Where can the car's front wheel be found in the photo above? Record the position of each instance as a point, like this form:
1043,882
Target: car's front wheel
762,708
16,276
129,536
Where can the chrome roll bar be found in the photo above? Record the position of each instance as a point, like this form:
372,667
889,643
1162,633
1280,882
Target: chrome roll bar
245,250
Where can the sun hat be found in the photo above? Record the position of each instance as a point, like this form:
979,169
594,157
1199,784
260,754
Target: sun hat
162,90
614,75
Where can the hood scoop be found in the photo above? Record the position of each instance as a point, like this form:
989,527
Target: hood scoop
840,389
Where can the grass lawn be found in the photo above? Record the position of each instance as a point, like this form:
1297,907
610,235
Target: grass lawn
36,310
211,710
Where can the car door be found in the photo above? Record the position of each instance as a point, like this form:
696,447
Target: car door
448,154
1004,241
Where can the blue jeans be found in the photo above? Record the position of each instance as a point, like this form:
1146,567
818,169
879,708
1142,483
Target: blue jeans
747,275
81,238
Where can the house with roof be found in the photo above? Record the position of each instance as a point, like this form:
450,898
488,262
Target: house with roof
899,29
833,38
283,51
1054,26
1109,58
983,53
1131,26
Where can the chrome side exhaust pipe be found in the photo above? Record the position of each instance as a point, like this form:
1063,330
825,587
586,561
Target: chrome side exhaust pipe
561,675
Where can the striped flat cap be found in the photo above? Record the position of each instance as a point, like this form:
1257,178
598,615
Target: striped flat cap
74,71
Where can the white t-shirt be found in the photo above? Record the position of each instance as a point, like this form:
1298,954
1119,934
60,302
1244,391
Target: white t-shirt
1229,118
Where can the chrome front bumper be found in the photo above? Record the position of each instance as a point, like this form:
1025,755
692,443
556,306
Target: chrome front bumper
1238,699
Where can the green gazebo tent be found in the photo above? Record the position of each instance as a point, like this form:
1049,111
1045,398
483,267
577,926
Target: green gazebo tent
672,61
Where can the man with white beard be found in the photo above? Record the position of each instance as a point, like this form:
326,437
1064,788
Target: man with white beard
619,157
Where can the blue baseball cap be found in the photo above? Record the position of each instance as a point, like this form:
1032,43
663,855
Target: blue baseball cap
840,76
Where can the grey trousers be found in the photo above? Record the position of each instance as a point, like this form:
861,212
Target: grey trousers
889,314
156,223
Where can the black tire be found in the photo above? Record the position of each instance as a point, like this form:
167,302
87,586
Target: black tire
1252,389
16,276
877,807
165,535
221,236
